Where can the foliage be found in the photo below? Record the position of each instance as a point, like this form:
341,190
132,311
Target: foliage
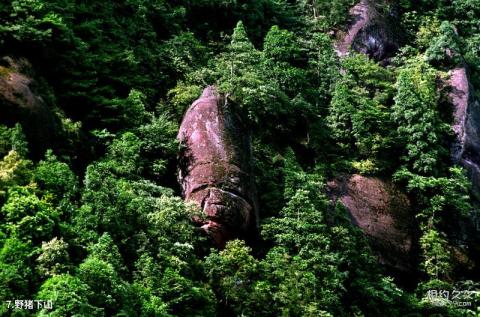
18,141
14,170
56,178
27,20
69,294
16,259
417,116
54,258
445,47
436,257
438,194
310,267
27,217
359,116
326,14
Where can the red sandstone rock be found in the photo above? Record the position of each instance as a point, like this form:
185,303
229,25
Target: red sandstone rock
465,152
372,31
360,18
466,149
383,213
20,102
15,85
215,167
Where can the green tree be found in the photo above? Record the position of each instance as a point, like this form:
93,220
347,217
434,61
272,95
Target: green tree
106,250
105,284
232,273
416,114
445,47
326,253
437,196
323,68
27,217
69,295
185,53
158,146
436,258
359,116
56,177
18,140
14,170
326,14
466,13
250,81
54,258
27,20
5,140
123,156
126,113
16,269
282,50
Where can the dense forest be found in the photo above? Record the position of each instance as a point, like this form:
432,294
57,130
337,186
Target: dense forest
362,131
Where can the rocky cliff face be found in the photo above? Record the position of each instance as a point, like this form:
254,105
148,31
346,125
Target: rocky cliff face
466,152
21,102
215,167
384,215
466,109
372,31
359,19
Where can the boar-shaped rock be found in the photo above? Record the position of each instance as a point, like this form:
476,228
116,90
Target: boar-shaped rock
216,167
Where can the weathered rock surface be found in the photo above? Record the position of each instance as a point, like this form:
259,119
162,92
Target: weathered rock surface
360,18
370,32
215,167
21,102
465,233
466,109
383,213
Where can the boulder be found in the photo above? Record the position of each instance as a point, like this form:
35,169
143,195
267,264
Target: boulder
372,31
216,167
20,101
384,215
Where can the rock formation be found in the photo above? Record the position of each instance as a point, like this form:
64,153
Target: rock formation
360,18
384,215
21,102
370,32
466,109
466,152
215,167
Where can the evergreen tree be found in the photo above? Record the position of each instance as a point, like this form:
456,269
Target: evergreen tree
416,114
